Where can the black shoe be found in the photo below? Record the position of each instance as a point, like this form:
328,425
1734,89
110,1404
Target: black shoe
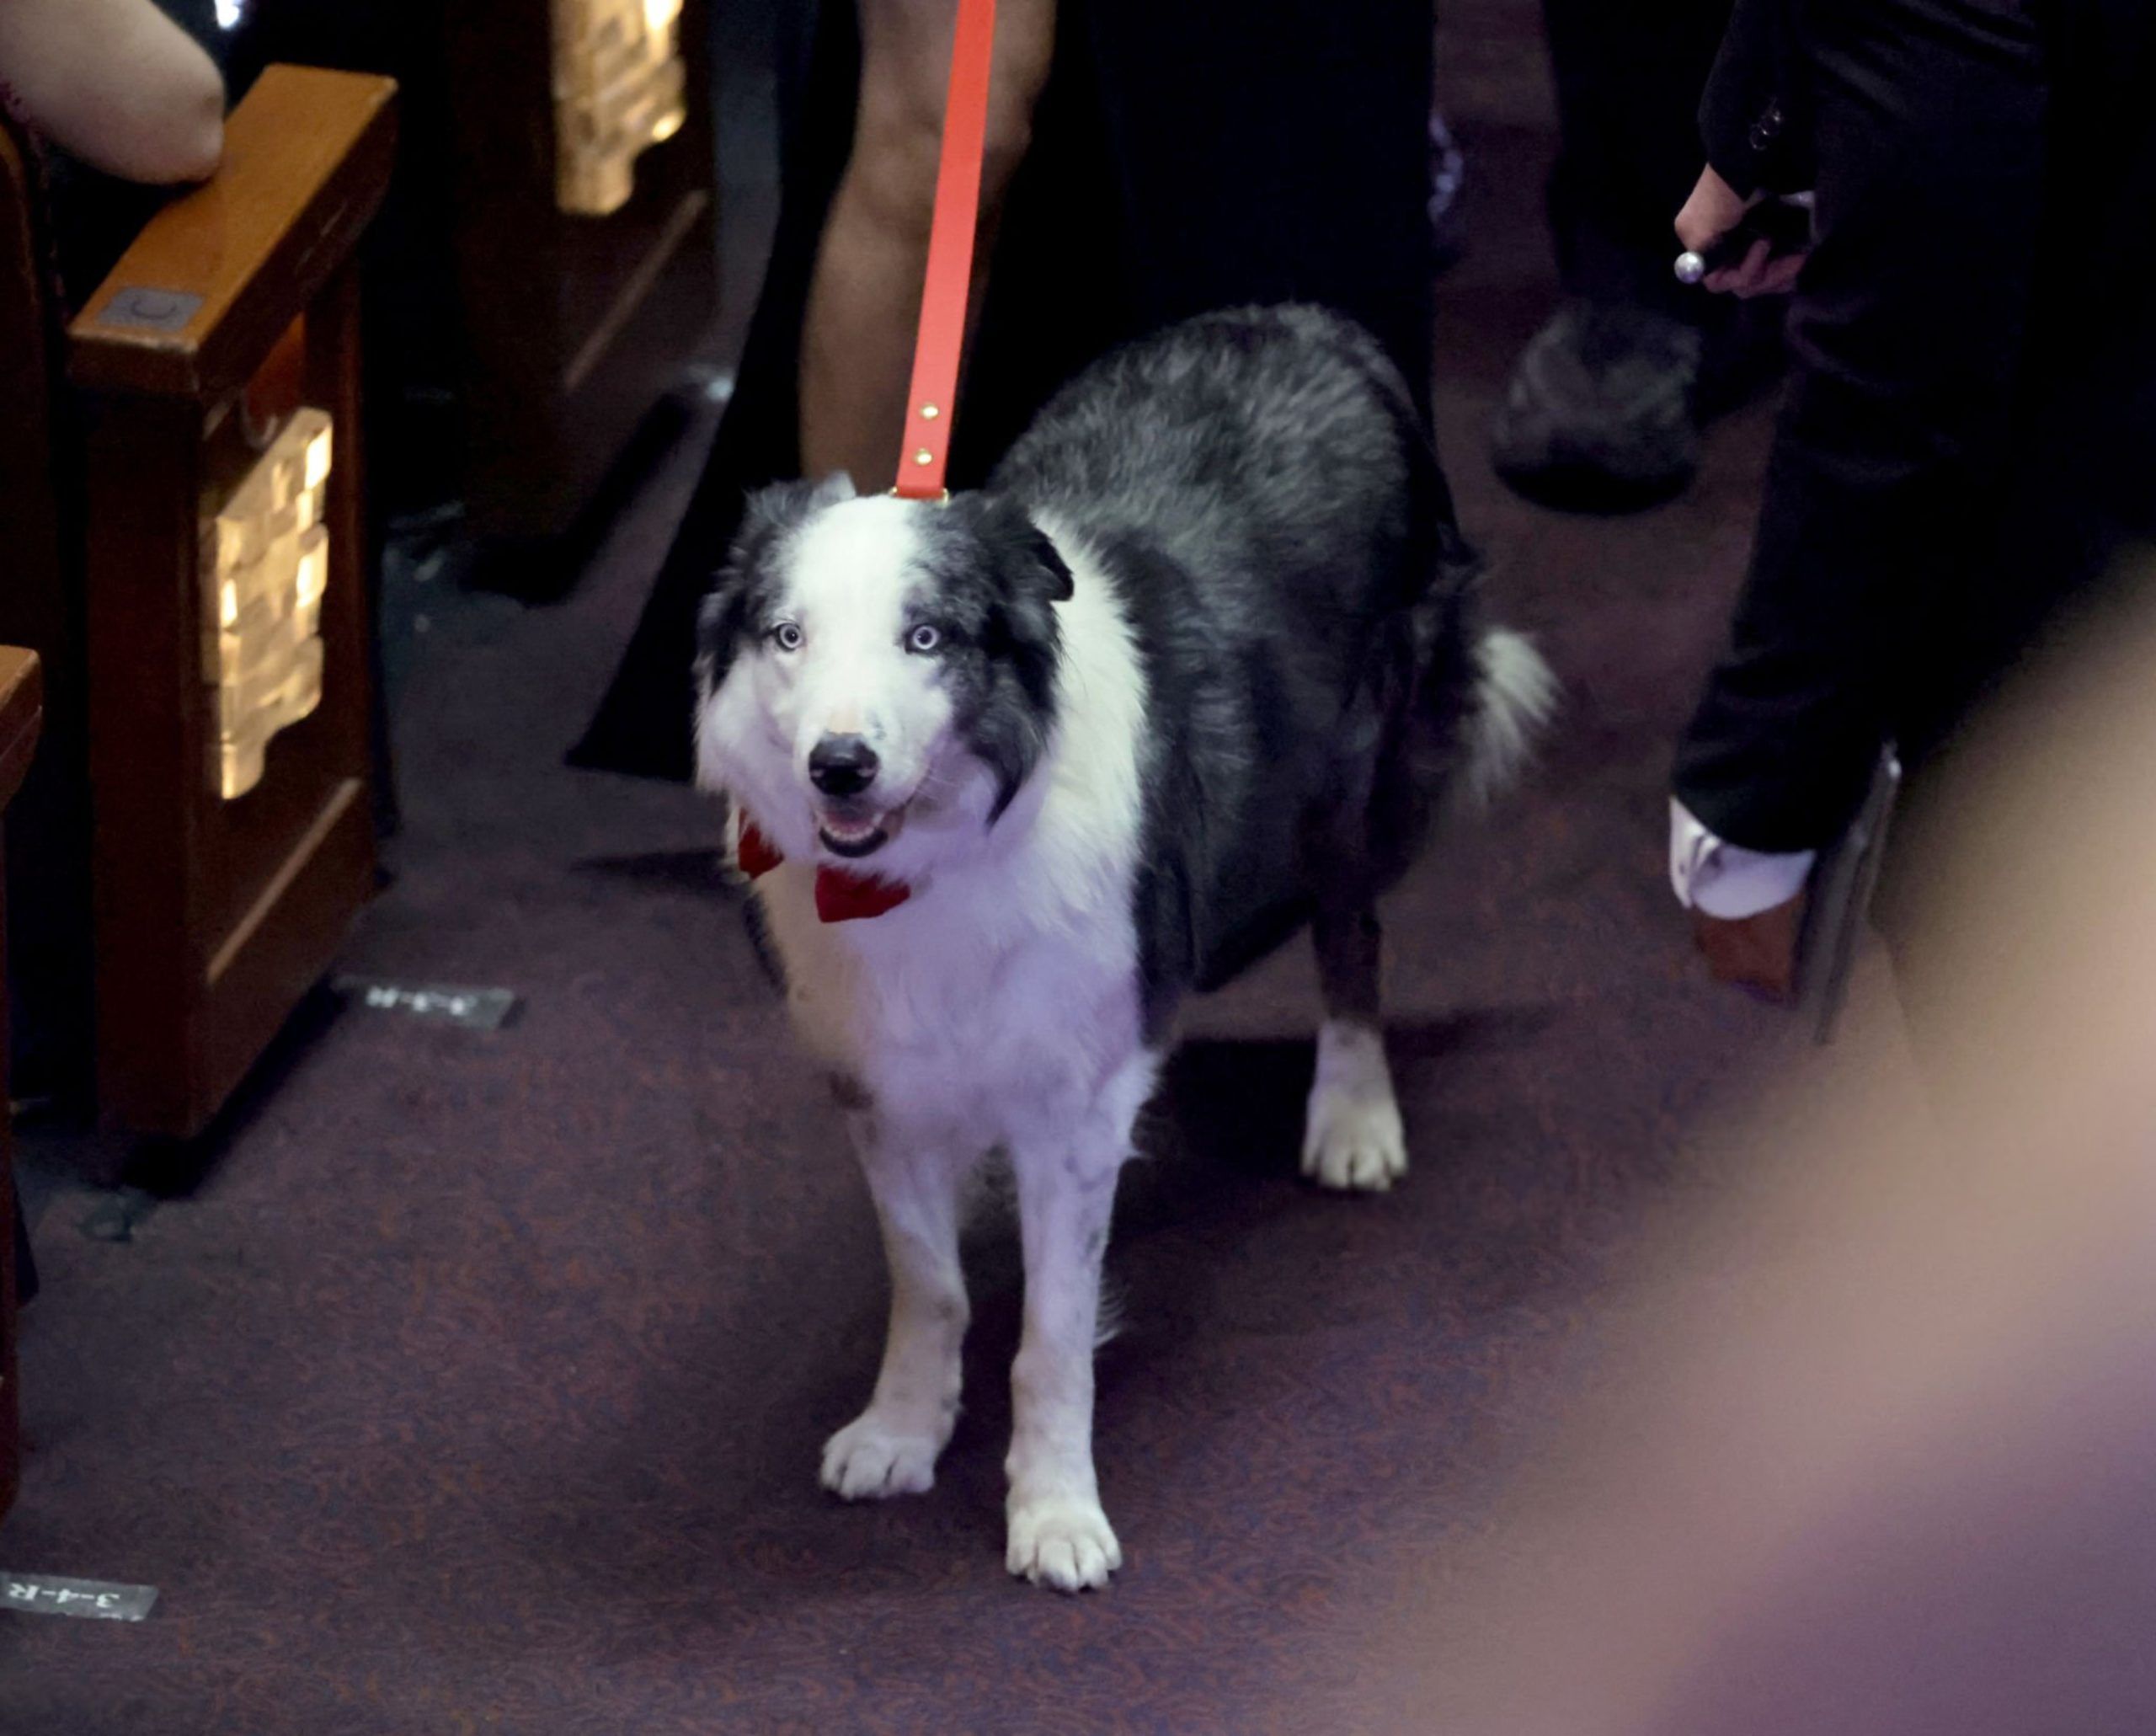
1600,414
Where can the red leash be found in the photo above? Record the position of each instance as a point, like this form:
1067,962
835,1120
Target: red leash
949,280
847,895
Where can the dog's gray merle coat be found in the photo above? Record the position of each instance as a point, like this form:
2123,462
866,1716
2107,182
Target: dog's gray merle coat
1259,488
1261,491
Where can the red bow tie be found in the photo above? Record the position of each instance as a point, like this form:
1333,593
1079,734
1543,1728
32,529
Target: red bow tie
841,895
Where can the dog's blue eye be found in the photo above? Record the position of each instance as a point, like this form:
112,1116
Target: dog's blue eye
923,637
787,636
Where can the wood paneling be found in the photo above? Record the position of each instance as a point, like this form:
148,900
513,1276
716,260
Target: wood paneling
575,326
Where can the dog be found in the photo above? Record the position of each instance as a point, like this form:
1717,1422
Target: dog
1011,775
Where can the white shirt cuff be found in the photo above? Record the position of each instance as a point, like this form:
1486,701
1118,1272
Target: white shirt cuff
1726,880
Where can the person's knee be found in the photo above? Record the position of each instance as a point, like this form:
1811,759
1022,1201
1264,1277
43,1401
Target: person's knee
891,178
897,146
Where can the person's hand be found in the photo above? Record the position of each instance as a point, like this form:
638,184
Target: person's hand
1715,209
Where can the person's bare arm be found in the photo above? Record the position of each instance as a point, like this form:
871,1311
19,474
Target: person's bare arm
116,84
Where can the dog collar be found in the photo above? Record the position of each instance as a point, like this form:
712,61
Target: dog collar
842,895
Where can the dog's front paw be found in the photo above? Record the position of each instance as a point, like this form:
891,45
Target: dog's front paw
1357,1147
1354,1137
871,1458
1063,1542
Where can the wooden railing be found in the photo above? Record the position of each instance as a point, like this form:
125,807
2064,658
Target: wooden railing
222,895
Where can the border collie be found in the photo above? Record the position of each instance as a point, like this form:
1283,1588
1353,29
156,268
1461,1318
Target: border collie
1011,774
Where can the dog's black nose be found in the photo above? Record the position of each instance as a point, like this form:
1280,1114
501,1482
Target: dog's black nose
842,765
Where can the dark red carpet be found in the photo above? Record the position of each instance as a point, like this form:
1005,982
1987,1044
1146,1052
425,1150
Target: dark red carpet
479,1387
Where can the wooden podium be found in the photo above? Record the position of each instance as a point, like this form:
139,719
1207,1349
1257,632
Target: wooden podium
230,759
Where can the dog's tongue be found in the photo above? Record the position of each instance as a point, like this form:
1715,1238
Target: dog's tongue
842,894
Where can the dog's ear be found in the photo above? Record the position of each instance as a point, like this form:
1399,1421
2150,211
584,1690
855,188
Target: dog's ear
783,505
1038,565
771,517
1027,564
1026,578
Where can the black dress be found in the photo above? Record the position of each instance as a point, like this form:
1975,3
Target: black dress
1184,157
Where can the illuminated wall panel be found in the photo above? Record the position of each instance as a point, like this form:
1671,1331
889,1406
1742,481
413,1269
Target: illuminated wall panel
267,556
617,90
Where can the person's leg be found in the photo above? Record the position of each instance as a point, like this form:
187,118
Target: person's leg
856,350
641,727
1271,151
1629,78
1603,407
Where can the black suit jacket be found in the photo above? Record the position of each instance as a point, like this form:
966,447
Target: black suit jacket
1753,116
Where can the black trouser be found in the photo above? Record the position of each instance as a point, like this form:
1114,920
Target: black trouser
1629,75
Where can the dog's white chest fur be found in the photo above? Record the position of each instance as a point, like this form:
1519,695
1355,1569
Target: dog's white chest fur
957,1021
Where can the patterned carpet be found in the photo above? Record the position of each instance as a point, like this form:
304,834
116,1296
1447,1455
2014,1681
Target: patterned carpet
479,1385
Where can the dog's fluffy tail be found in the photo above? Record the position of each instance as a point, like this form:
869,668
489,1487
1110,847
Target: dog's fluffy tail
1515,696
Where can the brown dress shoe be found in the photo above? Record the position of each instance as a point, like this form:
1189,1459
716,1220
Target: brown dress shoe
1757,954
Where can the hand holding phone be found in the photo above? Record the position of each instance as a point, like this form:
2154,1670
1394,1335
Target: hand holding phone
1742,246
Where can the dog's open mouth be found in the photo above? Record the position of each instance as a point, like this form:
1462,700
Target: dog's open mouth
853,838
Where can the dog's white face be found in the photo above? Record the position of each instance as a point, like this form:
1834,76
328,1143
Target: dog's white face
872,670
842,688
